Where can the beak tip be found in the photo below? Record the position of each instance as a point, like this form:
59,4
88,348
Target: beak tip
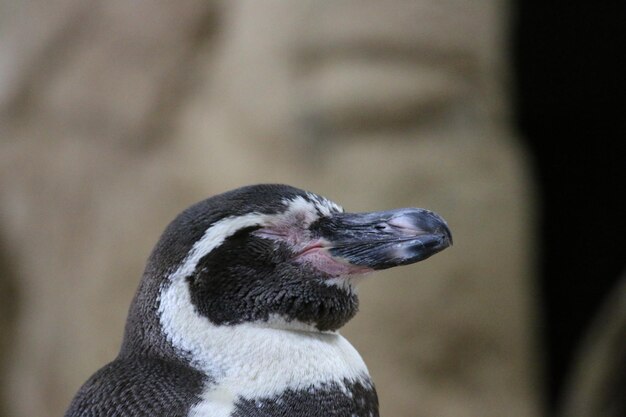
448,234
431,222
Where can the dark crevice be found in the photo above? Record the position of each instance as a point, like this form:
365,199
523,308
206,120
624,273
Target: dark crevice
569,68
9,302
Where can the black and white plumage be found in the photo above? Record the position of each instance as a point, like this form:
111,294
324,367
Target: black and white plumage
237,311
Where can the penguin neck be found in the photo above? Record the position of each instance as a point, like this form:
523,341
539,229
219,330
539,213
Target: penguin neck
253,355
289,300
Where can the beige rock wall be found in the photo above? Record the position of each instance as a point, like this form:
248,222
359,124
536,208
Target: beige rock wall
117,115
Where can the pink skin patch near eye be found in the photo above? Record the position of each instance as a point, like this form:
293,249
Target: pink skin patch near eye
317,255
314,253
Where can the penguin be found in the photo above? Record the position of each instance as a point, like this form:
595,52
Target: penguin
238,310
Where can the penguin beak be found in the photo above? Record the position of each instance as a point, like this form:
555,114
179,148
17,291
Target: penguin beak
385,239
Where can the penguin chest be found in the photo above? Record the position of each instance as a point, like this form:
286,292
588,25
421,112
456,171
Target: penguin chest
271,373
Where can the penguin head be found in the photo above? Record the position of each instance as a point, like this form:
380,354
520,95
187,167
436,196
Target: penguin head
282,257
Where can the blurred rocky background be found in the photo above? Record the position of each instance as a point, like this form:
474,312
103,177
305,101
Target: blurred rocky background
114,116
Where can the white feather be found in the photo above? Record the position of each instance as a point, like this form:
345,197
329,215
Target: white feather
213,237
253,360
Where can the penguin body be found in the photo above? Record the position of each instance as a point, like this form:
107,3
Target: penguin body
139,387
238,310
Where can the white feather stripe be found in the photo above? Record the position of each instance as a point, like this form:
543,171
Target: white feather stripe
213,237
252,360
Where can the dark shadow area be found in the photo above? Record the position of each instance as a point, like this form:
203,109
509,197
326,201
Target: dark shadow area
570,66
8,314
